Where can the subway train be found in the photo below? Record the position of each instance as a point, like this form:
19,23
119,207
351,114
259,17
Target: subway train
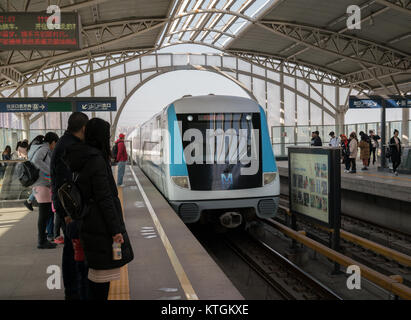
211,158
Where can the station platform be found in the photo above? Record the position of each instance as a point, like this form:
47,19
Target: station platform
371,195
169,262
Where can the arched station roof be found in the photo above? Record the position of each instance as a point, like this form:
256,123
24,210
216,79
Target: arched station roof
303,34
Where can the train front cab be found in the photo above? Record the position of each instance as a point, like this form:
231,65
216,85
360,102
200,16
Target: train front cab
208,190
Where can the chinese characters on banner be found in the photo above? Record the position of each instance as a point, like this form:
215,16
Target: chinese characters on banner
29,31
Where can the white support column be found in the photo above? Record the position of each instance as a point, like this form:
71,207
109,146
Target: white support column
405,126
92,91
25,119
282,111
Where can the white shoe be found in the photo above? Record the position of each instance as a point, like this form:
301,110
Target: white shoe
396,173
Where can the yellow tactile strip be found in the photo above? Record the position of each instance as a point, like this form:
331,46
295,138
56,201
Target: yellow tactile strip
384,177
120,289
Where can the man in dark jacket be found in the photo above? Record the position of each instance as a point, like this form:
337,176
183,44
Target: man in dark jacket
374,144
60,174
316,140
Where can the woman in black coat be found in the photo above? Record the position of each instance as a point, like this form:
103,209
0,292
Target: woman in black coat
103,223
396,151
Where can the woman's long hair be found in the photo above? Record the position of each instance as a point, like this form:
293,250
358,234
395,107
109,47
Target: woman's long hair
353,135
37,140
97,134
7,150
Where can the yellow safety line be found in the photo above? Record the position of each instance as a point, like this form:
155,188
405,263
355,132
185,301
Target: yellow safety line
383,177
178,268
120,289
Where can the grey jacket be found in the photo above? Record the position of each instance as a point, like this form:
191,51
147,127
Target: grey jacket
41,159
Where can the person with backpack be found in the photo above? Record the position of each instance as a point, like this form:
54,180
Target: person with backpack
121,158
102,227
40,156
74,269
29,202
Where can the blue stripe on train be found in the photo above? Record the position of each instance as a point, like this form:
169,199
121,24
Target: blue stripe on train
269,164
178,166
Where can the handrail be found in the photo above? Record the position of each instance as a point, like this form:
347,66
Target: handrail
365,243
391,283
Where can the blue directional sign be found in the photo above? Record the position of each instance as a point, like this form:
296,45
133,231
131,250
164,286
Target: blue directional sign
399,102
358,103
35,106
370,102
96,106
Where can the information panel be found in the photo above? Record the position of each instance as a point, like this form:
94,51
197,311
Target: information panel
315,183
28,30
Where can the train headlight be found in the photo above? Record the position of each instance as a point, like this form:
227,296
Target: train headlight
182,182
269,177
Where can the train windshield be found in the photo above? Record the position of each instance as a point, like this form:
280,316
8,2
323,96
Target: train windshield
222,150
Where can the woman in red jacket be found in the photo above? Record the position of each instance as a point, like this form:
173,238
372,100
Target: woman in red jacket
121,159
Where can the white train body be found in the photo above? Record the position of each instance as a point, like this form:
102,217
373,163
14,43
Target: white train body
198,161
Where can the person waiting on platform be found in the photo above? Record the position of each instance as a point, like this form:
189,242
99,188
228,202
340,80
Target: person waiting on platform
22,149
315,139
374,142
353,146
40,155
103,226
345,152
5,156
333,140
121,158
29,202
396,151
364,150
74,268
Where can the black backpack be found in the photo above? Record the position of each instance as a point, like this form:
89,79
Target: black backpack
27,172
114,151
72,200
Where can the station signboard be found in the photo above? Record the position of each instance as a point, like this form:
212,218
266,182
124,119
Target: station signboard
29,30
96,106
315,183
102,104
371,102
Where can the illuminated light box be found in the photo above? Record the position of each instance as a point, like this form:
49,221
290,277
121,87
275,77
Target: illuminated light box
28,31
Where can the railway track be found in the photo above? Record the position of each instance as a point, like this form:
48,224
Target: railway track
367,256
283,276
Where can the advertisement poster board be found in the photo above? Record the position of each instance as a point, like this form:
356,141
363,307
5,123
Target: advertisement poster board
315,183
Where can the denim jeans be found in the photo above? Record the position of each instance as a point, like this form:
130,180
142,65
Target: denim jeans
31,198
58,224
121,169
